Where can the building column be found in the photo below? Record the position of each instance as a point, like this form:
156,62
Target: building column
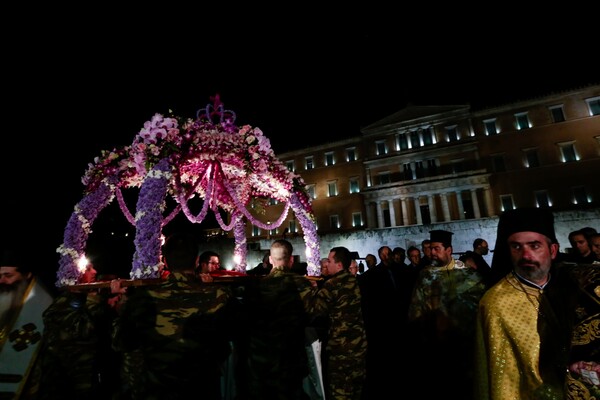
370,215
461,207
392,213
476,210
445,207
432,210
409,140
489,204
418,211
380,222
405,220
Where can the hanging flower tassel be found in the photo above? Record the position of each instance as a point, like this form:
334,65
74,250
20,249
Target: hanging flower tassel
124,208
240,251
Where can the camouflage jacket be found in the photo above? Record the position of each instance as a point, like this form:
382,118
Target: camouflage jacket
340,301
276,322
172,336
76,359
446,299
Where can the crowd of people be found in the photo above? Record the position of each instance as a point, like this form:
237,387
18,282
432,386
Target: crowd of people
526,327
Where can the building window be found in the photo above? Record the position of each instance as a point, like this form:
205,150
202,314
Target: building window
567,151
357,219
311,190
351,154
507,202
451,133
273,232
309,162
580,195
431,167
334,221
419,170
407,172
255,230
522,120
428,138
290,165
401,141
531,158
273,201
457,166
557,112
384,178
381,148
354,186
594,105
490,127
292,226
329,161
332,189
415,141
498,163
541,199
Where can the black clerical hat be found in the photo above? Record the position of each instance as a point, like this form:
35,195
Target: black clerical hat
12,258
529,219
441,236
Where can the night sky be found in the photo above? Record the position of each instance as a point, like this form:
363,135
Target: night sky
73,87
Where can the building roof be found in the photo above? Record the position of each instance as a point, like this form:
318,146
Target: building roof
413,114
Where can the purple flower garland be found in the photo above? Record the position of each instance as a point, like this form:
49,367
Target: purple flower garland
148,221
309,228
78,229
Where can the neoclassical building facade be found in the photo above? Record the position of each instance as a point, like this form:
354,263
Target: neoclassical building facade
433,164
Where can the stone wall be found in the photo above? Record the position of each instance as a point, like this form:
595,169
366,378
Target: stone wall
369,241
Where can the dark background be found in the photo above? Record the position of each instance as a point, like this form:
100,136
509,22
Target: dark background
78,81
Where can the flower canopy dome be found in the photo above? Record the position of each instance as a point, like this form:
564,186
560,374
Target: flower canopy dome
210,157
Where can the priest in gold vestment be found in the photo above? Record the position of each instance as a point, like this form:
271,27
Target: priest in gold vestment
524,336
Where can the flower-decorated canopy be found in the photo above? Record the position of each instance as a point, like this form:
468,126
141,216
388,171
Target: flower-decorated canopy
210,157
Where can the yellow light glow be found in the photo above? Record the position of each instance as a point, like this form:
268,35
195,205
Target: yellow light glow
82,263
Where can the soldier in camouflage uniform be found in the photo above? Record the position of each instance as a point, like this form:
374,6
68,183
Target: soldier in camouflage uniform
76,360
442,316
172,336
344,357
277,359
